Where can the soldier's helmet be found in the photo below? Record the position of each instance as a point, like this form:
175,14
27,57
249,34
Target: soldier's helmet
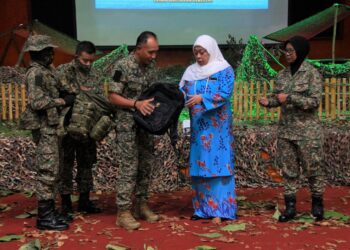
38,42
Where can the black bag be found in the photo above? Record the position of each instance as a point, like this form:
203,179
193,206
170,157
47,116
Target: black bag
168,102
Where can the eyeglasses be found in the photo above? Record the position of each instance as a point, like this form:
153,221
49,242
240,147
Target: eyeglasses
288,51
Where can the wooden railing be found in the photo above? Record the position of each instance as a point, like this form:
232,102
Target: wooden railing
335,102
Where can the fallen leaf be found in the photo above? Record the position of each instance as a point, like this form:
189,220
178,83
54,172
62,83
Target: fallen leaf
28,193
337,216
277,213
234,227
204,248
32,245
210,235
10,237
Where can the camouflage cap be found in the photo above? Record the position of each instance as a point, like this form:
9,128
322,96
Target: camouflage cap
38,42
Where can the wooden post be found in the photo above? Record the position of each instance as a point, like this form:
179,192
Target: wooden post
264,94
10,101
246,85
338,96
23,97
326,96
272,111
3,99
333,98
344,95
251,100
257,115
16,102
235,100
320,106
240,108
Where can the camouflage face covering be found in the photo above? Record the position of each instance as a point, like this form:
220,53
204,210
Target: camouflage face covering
38,42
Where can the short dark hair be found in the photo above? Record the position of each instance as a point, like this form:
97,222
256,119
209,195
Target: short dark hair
85,46
143,38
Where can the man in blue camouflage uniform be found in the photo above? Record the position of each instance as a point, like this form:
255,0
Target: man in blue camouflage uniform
298,92
131,76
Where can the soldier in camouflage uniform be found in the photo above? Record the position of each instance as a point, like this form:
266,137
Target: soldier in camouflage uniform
44,103
298,92
131,76
76,76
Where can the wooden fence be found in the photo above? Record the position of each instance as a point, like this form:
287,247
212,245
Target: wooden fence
335,100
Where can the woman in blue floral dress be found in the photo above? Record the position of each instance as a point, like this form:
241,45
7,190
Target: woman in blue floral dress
208,86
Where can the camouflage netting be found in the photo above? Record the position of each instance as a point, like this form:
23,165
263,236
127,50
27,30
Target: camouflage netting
16,160
12,74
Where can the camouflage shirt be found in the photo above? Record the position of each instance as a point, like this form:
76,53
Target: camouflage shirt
133,81
71,78
42,88
299,117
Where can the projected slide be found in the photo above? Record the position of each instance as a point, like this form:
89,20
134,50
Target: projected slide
182,4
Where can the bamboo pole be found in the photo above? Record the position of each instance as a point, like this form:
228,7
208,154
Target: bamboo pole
10,102
320,107
251,100
105,88
326,97
3,100
246,85
272,111
23,97
264,94
333,98
240,111
257,115
335,21
235,100
344,95
16,102
338,97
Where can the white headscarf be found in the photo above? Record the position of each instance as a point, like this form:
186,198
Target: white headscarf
215,64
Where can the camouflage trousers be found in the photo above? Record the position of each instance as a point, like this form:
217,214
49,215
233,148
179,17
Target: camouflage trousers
135,161
301,156
47,162
85,155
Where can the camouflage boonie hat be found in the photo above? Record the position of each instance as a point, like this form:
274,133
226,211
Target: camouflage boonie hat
38,42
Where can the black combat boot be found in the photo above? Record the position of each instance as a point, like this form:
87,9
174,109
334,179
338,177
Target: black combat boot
85,205
290,211
66,204
317,207
47,219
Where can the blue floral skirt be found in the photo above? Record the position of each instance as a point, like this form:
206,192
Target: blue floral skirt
214,197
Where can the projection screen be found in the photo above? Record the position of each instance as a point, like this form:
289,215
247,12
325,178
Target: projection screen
177,22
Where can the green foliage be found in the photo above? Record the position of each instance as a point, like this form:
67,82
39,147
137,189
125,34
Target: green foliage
332,70
11,129
254,66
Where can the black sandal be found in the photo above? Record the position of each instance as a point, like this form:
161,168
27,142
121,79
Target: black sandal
196,217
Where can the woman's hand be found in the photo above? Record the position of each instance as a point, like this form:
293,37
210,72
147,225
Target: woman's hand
194,99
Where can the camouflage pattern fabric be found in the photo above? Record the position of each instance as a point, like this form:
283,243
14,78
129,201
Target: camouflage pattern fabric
134,145
300,134
299,118
38,42
301,157
43,94
85,155
71,79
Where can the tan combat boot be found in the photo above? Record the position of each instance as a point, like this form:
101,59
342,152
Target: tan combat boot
127,221
143,211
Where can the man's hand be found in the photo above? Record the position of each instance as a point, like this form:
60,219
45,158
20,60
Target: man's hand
145,106
263,101
282,97
194,99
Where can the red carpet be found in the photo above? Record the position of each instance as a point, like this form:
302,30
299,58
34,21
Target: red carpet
176,231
